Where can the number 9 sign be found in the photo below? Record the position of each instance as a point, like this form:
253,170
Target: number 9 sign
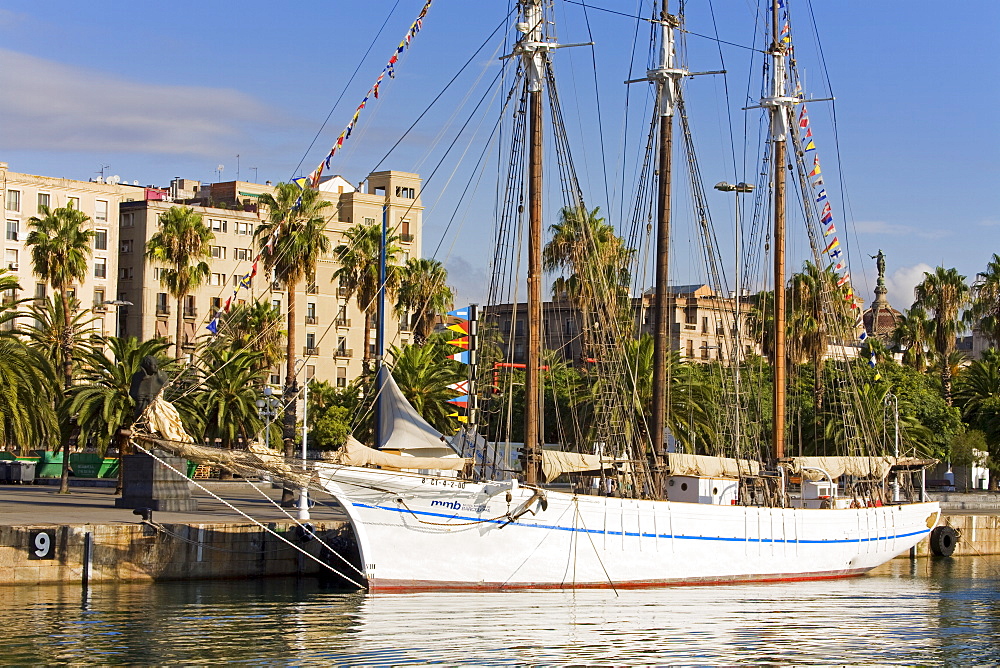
42,544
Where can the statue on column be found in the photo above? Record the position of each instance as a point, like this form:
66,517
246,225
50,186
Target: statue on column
880,264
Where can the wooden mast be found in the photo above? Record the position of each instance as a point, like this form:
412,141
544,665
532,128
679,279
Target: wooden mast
666,76
779,104
533,49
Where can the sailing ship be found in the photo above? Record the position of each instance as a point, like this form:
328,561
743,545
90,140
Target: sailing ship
427,518
435,512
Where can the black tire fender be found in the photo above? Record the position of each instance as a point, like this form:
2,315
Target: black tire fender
943,541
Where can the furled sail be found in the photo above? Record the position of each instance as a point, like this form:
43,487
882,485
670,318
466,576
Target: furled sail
872,468
354,453
556,462
711,467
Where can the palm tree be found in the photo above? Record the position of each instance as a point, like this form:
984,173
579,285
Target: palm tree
103,404
985,311
596,259
62,335
810,303
910,335
293,239
358,274
60,247
423,374
423,292
255,326
976,387
690,404
228,395
27,417
943,293
181,246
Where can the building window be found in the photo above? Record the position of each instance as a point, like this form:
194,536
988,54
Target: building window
190,310
217,280
100,240
126,245
162,307
127,219
13,200
218,252
311,341
41,290
13,230
126,273
101,211
275,379
276,304
341,376
100,267
43,201
408,193
312,289
12,257
310,371
704,325
690,348
73,203
242,228
217,225
216,303
242,253
99,300
341,346
311,313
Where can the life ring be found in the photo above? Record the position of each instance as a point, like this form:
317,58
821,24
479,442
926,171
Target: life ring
943,541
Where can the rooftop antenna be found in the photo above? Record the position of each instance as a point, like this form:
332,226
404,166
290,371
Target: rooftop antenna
103,167
237,166
254,174
218,173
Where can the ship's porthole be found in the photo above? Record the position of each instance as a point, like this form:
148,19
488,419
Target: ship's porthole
715,491
672,483
684,486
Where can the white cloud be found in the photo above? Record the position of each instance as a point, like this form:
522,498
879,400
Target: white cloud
902,282
882,227
49,105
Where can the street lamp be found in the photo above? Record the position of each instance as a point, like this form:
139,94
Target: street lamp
118,313
267,408
737,188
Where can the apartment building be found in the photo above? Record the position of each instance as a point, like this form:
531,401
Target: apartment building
331,326
24,195
698,321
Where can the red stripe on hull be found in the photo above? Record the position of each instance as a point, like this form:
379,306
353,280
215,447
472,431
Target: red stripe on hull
379,586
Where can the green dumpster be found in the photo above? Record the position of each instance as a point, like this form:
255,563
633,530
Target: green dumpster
85,464
6,456
50,465
192,467
109,468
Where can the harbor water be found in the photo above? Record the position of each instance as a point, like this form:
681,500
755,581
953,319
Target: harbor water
926,611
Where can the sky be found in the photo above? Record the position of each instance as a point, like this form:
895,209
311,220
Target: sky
151,91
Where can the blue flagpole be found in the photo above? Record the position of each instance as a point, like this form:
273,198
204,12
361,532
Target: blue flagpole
380,331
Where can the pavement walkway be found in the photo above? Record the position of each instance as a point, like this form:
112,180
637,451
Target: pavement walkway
42,504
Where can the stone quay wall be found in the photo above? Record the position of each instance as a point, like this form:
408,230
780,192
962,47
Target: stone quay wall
47,554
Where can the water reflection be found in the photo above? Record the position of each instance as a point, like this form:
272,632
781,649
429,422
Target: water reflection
924,612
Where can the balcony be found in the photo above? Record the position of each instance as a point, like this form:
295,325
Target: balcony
162,309
343,352
343,292
406,238
190,313
313,351
311,320
99,308
342,322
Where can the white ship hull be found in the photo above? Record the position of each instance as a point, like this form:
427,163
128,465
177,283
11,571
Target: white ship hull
425,532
